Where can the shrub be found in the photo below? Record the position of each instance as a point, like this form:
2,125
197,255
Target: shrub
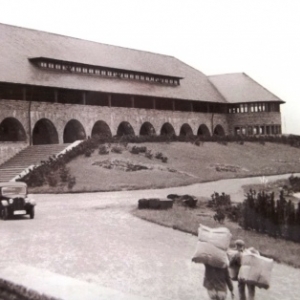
164,159
52,180
117,149
148,154
138,150
158,155
103,150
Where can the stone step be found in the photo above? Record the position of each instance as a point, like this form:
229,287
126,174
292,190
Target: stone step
32,155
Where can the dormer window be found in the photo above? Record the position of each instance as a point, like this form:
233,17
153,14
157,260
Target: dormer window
67,66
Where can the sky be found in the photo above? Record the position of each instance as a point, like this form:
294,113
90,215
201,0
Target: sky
258,37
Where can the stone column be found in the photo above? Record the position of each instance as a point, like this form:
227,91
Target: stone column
84,98
109,100
55,96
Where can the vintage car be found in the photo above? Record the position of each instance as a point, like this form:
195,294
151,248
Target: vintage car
14,200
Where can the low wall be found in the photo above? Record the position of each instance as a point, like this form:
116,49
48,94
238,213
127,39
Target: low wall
9,149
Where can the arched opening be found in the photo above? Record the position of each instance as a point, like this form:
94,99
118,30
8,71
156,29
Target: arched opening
219,130
74,131
101,130
147,129
44,132
12,130
203,130
167,129
186,130
125,129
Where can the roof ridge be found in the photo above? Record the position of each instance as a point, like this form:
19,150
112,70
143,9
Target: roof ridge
262,86
84,40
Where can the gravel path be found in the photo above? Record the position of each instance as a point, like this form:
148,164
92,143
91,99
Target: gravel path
93,237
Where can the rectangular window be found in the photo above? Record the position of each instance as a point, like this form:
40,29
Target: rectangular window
263,107
255,107
137,76
103,72
242,108
251,107
57,66
84,70
91,71
229,110
244,130
78,69
259,106
51,66
250,130
97,72
131,76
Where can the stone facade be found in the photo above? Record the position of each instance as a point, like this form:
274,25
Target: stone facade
60,114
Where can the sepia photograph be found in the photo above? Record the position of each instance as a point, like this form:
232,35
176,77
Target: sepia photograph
149,150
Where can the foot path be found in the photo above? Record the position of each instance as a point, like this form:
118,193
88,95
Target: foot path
94,238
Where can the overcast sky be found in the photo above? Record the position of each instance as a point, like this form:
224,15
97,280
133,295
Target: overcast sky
258,37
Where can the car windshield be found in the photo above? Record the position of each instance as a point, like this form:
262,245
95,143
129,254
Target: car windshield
13,191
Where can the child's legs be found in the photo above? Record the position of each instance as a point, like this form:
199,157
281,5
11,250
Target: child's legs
216,295
251,291
242,292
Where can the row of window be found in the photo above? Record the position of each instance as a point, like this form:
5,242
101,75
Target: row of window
257,130
60,66
253,108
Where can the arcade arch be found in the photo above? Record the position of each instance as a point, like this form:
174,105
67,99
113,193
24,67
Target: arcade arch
125,129
186,130
147,129
203,130
12,130
219,130
167,129
73,131
101,129
44,132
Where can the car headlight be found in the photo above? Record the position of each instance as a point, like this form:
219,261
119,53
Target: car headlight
11,201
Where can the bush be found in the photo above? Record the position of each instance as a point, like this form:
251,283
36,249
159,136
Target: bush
103,150
117,149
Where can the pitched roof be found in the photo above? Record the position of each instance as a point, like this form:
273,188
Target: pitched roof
240,88
20,44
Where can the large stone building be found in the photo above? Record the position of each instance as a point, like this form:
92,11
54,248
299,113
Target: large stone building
58,89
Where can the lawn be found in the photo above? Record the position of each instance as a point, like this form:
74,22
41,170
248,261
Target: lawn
188,220
186,164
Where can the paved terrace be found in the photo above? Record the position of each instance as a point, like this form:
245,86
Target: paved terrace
94,239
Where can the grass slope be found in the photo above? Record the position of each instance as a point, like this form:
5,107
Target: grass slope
186,164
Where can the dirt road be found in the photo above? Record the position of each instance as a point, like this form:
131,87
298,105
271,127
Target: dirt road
93,237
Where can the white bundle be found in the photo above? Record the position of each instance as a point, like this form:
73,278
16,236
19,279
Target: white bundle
209,254
219,237
256,269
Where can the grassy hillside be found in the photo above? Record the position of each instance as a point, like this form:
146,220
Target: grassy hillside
187,164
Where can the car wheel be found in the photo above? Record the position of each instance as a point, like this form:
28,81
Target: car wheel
4,213
31,213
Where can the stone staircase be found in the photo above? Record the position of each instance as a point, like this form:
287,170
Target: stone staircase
31,155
